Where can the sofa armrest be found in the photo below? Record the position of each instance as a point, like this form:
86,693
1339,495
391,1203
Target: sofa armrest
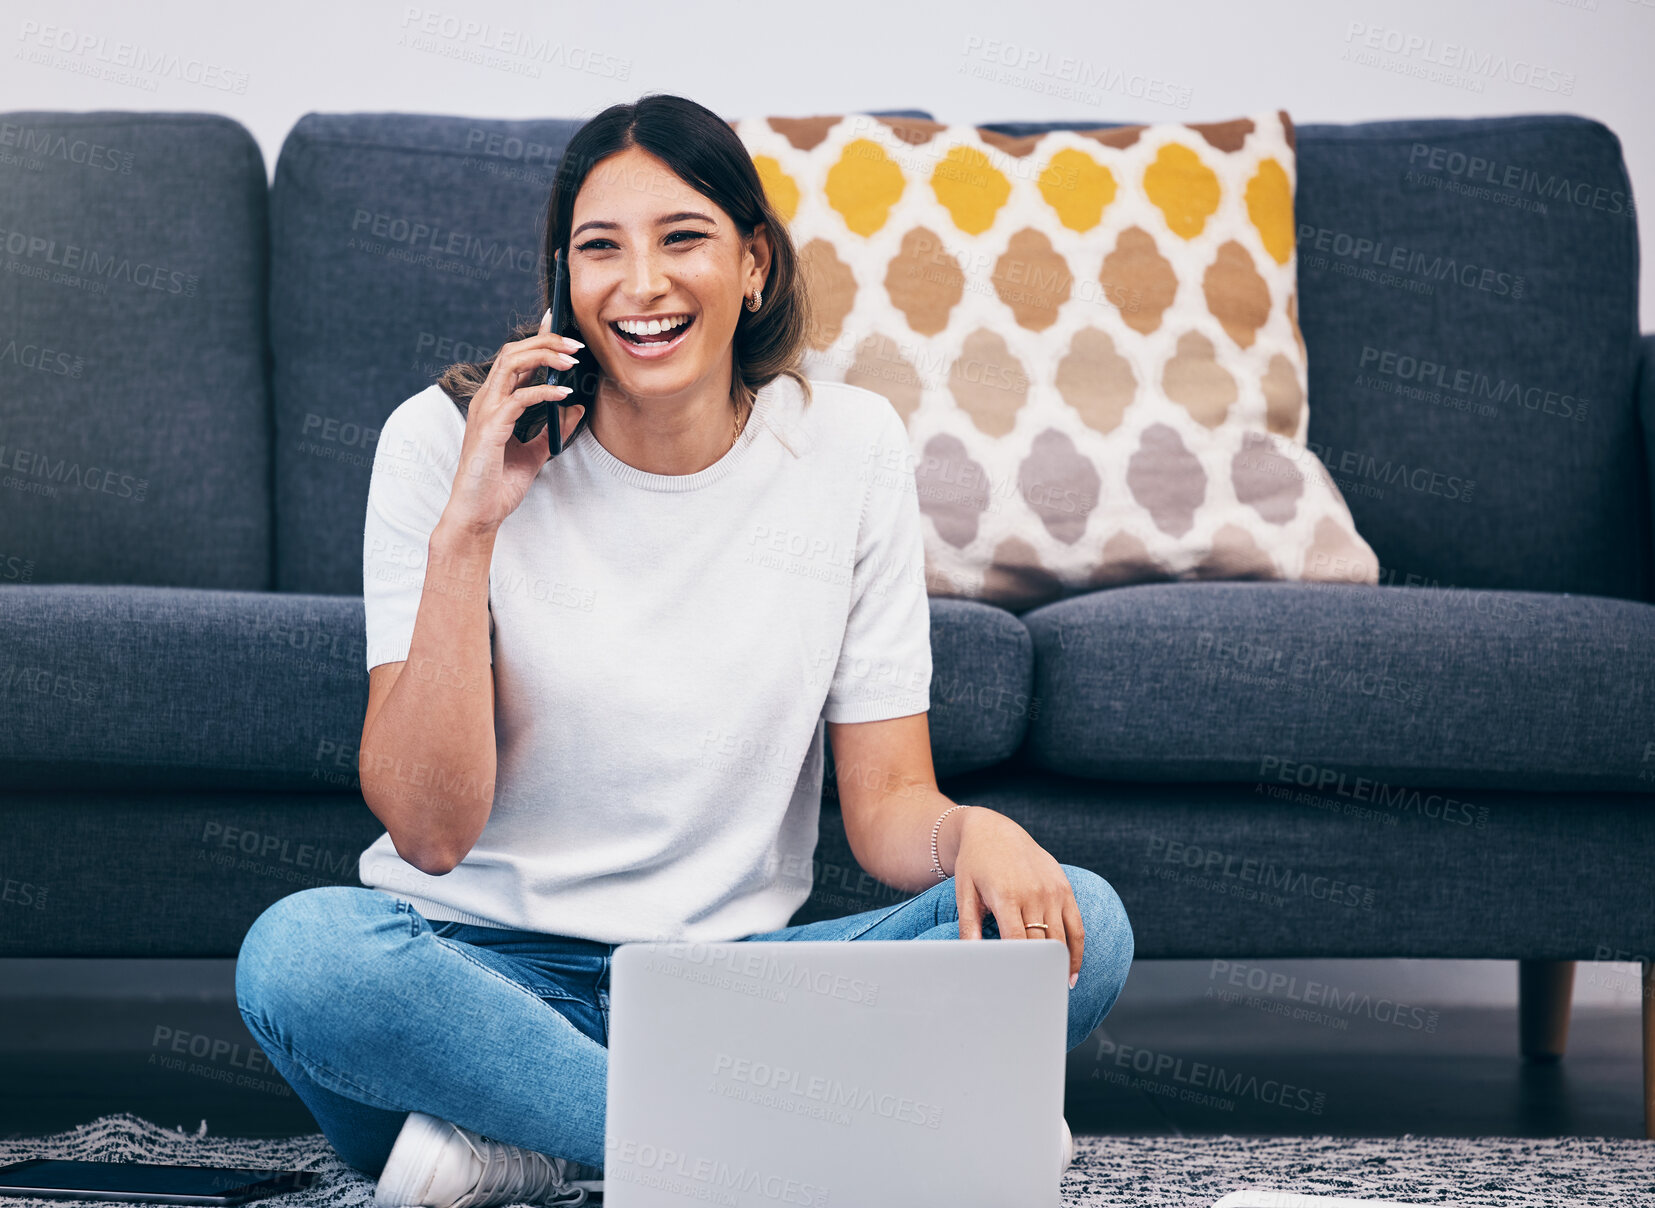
1645,386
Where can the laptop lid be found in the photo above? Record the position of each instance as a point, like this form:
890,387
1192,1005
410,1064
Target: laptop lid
827,1073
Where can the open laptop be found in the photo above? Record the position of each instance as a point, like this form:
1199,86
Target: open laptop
826,1073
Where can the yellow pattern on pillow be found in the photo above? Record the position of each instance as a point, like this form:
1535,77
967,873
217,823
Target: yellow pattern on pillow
1091,335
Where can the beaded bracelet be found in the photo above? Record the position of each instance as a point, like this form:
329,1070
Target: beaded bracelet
935,831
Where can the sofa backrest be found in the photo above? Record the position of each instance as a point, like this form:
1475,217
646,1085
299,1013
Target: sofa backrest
134,416
1468,295
400,244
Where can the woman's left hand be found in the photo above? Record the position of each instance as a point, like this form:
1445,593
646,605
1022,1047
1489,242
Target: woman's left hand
999,867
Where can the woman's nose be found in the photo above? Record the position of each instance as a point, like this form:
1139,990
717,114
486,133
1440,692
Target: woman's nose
645,276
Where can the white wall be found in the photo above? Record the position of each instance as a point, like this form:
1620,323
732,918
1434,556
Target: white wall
1181,60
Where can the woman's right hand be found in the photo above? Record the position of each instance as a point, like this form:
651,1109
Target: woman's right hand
496,469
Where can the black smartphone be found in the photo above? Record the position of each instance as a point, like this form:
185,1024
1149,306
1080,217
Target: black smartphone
54,1178
578,378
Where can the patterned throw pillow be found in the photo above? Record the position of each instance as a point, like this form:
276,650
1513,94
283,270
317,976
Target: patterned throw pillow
1092,337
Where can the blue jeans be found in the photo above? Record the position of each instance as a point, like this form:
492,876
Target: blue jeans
371,1011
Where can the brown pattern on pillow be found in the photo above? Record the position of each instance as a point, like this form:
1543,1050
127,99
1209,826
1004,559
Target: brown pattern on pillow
1092,337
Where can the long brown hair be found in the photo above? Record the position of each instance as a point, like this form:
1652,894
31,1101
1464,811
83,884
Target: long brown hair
705,153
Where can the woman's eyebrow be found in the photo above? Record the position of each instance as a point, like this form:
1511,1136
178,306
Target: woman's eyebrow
662,221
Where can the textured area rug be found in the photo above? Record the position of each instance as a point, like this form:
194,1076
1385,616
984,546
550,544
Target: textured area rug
1154,1172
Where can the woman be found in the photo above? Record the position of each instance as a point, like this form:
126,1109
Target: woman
600,686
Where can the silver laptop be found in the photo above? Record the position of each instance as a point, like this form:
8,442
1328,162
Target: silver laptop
833,1073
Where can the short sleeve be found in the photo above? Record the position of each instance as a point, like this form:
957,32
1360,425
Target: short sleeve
413,474
884,667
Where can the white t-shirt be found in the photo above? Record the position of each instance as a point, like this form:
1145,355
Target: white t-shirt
665,651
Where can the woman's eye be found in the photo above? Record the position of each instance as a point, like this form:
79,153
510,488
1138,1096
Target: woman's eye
601,245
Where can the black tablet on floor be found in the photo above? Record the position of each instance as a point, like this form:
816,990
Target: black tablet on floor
56,1178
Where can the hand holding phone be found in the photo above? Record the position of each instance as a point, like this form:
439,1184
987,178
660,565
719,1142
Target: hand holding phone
495,471
557,320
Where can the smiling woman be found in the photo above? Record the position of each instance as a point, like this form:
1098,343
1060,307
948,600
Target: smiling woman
663,220
626,665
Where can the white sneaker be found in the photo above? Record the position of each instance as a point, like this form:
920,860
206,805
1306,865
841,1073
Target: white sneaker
435,1164
1068,1148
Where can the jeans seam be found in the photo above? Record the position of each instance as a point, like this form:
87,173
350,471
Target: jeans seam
414,917
858,935
459,948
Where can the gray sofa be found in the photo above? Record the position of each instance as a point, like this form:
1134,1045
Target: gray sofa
1459,762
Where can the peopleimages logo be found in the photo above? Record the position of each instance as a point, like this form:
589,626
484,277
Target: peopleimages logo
1064,75
1426,372
22,893
831,1093
493,45
1173,1070
15,568
1314,999
1394,257
771,970
95,263
51,474
39,357
1307,668
423,238
28,141
1262,872
702,1178
45,682
1365,788
130,63
280,849
1364,470
1454,57
1517,179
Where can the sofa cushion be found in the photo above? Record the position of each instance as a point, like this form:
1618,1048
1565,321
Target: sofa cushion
106,873
1089,335
400,244
1365,688
134,445
1245,871
982,685
173,688
1203,870
180,688
1468,296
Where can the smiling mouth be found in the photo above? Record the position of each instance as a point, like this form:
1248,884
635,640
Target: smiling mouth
665,337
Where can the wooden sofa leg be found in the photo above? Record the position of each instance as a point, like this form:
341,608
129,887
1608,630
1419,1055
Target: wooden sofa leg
1649,1049
1544,990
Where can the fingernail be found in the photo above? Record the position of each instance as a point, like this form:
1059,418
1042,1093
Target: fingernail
575,342
547,317
1073,978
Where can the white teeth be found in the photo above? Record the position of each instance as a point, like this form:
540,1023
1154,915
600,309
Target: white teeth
653,327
